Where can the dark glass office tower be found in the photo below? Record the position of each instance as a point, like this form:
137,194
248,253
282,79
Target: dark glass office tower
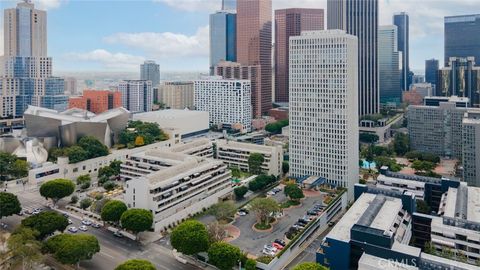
431,72
462,37
460,78
360,18
401,20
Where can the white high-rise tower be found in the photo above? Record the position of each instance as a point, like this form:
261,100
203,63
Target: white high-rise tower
324,107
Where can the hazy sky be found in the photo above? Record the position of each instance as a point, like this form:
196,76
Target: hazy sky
110,35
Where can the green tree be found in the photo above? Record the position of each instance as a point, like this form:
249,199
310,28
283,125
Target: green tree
262,208
106,171
368,137
261,182
136,264
401,144
190,237
24,248
422,207
113,210
216,232
240,192
93,147
9,204
74,199
136,220
83,179
6,163
72,248
309,266
293,192
46,223
447,253
19,169
276,127
115,165
85,203
251,264
236,172
98,205
425,166
109,185
255,161
285,167
57,189
223,255
430,248
76,154
224,210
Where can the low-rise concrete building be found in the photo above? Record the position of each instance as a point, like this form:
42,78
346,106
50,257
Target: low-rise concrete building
236,154
174,186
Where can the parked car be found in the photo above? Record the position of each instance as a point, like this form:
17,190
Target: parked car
277,246
270,247
118,234
26,211
83,228
244,210
241,213
96,225
70,221
331,223
299,225
271,193
72,229
303,221
3,225
313,212
280,242
87,222
268,252
65,215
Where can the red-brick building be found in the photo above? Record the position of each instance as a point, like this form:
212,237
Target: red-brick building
96,101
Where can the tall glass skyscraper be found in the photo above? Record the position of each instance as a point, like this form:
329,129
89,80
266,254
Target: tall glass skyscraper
223,37
431,72
401,20
388,65
27,71
462,37
150,71
360,18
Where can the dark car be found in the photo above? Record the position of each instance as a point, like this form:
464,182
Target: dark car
312,212
280,242
303,221
331,223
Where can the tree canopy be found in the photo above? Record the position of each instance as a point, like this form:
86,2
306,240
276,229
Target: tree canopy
24,247
368,137
401,144
240,192
276,127
190,237
87,147
93,147
285,167
293,192
57,189
136,220
224,210
261,182
46,223
255,161
9,204
85,203
262,208
136,264
113,210
149,132
72,248
309,266
11,167
224,255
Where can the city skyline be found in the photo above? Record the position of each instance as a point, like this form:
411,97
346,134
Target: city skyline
118,46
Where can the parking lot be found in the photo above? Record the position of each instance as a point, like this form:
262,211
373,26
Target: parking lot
253,242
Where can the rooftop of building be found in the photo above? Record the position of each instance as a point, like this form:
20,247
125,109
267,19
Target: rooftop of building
368,261
463,202
75,115
245,146
370,210
462,18
182,147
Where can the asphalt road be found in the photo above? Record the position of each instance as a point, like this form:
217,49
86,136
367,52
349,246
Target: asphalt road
113,250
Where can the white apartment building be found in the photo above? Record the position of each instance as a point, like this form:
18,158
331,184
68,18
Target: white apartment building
236,154
471,148
324,107
137,95
174,186
228,101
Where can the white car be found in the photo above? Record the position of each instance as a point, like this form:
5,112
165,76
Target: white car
268,252
70,221
271,193
87,222
73,229
96,225
241,213
83,228
270,248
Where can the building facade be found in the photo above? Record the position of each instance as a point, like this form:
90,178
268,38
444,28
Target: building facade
223,37
471,148
460,78
402,21
360,18
236,154
137,95
228,102
254,47
324,107
174,186
150,71
431,72
389,66
96,101
291,22
71,86
176,94
462,37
